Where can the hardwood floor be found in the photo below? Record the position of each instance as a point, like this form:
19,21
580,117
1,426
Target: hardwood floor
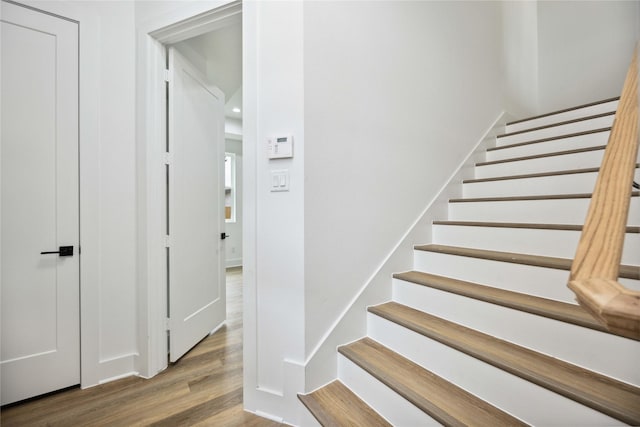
204,388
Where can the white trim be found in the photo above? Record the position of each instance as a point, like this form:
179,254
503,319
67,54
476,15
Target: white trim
249,204
118,367
89,146
233,136
211,20
233,262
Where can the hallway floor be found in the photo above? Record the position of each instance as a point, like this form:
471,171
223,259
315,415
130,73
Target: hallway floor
204,388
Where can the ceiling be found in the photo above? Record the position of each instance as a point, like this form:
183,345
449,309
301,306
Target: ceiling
219,55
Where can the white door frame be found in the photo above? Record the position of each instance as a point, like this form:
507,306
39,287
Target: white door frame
185,22
89,176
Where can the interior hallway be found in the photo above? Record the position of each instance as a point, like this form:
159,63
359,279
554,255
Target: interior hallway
203,388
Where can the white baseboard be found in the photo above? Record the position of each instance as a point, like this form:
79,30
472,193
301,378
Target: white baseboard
233,262
116,368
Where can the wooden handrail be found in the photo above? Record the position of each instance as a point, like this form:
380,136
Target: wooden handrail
594,273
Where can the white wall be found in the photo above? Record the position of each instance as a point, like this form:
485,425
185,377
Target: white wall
117,184
584,50
520,55
196,58
274,291
559,54
107,185
233,243
233,127
396,95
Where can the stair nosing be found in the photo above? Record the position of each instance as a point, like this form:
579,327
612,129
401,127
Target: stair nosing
542,156
544,307
537,197
503,355
536,226
626,271
551,138
591,104
566,122
533,175
519,198
427,406
313,406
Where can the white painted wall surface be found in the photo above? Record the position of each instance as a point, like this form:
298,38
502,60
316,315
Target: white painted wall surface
520,56
195,57
117,185
584,50
233,243
280,222
233,128
273,234
396,95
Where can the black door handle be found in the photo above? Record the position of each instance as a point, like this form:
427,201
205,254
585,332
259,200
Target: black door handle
63,251
223,236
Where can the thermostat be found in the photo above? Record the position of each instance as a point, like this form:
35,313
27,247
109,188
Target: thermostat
280,147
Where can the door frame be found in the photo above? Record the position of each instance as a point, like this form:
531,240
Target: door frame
89,177
184,22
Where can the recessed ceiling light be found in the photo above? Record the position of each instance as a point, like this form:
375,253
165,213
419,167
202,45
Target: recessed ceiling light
235,110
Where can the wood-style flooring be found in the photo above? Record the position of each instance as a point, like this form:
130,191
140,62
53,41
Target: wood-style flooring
204,388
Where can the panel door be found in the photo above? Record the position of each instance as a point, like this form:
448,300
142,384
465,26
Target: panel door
197,301
40,347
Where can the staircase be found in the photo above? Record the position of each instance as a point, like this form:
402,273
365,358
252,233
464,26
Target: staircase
484,330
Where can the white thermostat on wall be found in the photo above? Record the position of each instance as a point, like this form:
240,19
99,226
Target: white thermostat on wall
280,147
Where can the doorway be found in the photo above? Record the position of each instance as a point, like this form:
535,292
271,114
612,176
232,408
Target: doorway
153,248
218,55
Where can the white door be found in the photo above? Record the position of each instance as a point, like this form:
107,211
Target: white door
39,180
197,300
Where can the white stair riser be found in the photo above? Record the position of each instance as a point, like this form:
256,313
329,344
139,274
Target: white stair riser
548,211
597,351
581,126
573,143
538,281
553,243
503,390
604,107
542,282
386,402
306,418
588,159
537,186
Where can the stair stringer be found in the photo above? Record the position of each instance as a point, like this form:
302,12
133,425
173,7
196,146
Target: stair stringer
321,367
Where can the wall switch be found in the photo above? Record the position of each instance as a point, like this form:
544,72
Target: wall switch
280,180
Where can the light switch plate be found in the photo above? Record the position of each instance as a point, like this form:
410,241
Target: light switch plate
280,180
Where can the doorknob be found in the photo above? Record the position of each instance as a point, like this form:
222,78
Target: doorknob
223,236
63,251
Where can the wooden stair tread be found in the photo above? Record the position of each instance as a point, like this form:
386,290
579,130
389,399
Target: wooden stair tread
443,401
565,122
550,138
535,175
543,155
336,405
564,227
543,197
564,312
604,394
590,104
626,271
